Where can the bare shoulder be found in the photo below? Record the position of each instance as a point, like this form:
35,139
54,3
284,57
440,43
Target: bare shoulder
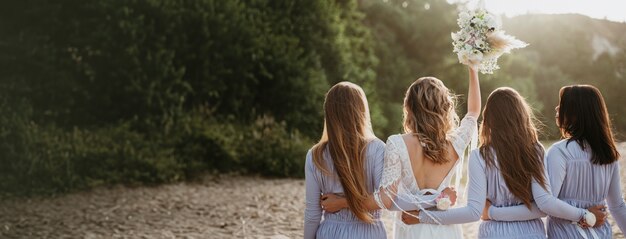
409,138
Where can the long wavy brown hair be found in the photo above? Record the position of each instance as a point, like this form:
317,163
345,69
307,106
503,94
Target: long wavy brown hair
508,131
347,131
584,118
429,113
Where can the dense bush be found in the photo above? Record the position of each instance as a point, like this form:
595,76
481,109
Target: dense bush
47,159
267,147
86,63
106,92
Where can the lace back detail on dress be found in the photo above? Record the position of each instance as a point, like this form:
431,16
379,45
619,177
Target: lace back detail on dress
399,182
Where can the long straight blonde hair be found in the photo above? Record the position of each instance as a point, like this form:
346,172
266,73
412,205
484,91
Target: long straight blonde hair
347,131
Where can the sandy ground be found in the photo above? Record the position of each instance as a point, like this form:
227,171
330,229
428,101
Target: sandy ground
217,207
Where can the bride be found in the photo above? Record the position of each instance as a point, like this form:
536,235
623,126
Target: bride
420,163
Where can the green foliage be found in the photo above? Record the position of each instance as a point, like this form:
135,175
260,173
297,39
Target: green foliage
412,39
269,149
47,159
40,159
106,92
574,49
409,45
163,57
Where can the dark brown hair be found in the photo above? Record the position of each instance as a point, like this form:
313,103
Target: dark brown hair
429,114
509,131
583,118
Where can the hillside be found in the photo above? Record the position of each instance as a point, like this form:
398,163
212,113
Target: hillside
577,50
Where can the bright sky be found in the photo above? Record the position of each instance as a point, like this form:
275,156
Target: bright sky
614,10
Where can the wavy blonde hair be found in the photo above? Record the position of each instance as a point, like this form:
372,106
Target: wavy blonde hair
347,131
429,113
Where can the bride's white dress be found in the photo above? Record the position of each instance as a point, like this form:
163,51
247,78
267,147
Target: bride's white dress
398,169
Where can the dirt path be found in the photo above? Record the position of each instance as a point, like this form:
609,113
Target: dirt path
218,207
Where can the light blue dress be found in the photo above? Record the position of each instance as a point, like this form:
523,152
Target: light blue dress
487,183
342,224
580,183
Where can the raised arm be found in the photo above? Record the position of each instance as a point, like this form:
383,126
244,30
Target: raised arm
313,211
477,194
615,200
473,95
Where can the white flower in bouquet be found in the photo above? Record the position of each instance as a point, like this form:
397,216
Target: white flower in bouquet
480,41
493,22
464,17
476,56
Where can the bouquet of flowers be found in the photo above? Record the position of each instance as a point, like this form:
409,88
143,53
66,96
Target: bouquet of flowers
480,42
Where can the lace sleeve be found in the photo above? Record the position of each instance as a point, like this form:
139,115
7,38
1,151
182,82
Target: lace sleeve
466,132
392,172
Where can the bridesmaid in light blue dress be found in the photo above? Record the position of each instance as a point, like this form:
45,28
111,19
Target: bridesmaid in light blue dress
507,125
348,160
341,224
583,167
420,164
